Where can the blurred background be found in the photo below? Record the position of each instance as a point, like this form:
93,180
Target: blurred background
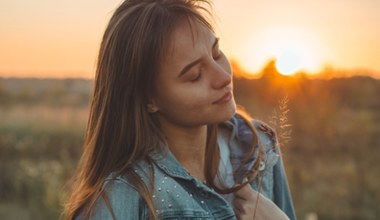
309,68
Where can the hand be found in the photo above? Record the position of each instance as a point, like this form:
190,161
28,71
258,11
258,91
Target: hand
245,204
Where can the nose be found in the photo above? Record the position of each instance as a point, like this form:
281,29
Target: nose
220,77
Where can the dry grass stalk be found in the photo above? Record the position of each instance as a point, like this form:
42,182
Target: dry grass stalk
280,122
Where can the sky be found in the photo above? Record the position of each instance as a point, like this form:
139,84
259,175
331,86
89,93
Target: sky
51,38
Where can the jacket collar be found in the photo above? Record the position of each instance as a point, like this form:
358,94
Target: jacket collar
167,162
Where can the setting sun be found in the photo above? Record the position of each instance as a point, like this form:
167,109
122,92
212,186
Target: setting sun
289,62
293,56
43,40
294,50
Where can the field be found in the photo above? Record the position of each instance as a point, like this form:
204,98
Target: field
330,132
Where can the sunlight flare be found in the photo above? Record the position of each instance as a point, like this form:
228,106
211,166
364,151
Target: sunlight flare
293,49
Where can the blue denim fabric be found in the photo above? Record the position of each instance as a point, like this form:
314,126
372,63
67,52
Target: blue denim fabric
177,195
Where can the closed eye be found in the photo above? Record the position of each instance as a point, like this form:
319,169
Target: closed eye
217,56
197,76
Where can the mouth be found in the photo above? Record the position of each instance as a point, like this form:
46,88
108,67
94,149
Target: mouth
225,98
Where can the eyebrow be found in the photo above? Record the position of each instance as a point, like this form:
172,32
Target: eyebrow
195,62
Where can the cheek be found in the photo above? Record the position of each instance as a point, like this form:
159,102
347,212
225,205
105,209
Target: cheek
184,99
185,104
197,109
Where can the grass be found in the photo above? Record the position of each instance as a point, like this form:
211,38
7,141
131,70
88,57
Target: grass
39,148
331,157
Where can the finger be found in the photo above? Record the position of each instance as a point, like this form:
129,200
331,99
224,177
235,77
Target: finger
246,193
243,207
239,213
239,204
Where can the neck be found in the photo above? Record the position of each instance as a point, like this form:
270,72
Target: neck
188,144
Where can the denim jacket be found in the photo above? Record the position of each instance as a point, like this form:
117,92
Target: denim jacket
177,195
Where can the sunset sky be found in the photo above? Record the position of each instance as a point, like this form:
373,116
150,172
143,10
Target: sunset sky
51,38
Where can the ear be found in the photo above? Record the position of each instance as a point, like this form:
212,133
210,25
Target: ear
152,107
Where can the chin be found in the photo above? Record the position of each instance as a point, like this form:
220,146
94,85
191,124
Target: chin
230,112
226,113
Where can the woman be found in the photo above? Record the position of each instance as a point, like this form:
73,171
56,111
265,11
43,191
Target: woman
163,139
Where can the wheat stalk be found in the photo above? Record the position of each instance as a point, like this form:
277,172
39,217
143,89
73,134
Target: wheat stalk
280,122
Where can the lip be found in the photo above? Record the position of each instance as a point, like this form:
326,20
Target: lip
225,98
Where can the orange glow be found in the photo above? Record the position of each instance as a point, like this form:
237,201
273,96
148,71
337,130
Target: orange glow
40,40
294,50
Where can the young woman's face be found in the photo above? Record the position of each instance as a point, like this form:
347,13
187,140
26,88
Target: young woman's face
194,85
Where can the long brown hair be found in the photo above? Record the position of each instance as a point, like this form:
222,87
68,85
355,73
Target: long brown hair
120,130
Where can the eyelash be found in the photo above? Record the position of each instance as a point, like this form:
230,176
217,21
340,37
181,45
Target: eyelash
218,55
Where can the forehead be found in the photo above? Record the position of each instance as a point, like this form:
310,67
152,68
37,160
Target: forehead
186,43
189,33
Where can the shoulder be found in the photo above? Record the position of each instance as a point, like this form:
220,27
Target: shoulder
247,128
265,132
120,199
264,127
118,186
